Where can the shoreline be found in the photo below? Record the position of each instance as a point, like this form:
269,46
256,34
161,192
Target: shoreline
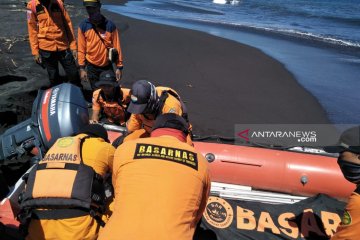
285,101
327,71
222,82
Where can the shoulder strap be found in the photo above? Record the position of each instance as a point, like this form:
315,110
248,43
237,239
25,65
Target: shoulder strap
163,98
33,6
164,95
118,95
172,93
98,34
82,140
61,5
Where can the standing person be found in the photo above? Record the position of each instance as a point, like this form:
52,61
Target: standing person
349,162
52,39
161,185
64,196
98,45
110,100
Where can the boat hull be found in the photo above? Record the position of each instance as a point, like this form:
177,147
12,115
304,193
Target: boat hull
289,172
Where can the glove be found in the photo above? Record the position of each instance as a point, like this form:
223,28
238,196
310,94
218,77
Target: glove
118,74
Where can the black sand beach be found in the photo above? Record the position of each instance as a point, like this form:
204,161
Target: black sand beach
223,82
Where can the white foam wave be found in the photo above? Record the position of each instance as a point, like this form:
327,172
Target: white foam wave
290,32
179,15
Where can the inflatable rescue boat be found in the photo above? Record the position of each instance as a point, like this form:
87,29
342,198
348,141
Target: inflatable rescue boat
245,173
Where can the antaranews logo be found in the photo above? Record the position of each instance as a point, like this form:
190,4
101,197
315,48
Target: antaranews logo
288,135
244,134
300,136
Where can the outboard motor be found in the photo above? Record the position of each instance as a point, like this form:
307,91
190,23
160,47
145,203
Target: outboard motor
57,112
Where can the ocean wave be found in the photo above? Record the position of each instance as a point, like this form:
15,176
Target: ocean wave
313,10
179,7
290,32
201,12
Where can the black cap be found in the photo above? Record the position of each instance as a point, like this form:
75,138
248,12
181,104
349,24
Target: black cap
91,3
141,94
171,120
349,141
95,130
107,78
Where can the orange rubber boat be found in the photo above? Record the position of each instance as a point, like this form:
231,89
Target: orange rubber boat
238,172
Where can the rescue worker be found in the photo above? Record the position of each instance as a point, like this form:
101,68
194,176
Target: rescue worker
98,45
148,102
161,185
52,39
348,148
64,192
110,99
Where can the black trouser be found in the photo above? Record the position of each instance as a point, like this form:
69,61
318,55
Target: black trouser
93,73
51,60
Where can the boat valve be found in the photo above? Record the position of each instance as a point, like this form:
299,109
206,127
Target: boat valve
210,157
304,180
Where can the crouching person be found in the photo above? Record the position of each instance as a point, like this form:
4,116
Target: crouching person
161,185
64,196
110,101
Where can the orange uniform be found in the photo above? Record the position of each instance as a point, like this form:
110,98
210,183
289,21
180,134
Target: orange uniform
49,30
99,155
94,50
115,110
349,228
161,188
171,105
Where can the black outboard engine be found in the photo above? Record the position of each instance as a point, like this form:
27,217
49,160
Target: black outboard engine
57,112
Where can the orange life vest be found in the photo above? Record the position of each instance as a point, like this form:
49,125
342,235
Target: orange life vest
61,185
115,110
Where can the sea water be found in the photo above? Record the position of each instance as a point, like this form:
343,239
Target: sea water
318,41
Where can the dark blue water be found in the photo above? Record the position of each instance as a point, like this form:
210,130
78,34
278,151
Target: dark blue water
317,40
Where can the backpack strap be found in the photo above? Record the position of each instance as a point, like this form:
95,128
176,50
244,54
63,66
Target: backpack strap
162,99
183,106
33,6
61,5
164,96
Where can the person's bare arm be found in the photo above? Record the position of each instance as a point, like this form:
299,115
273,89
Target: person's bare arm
95,116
